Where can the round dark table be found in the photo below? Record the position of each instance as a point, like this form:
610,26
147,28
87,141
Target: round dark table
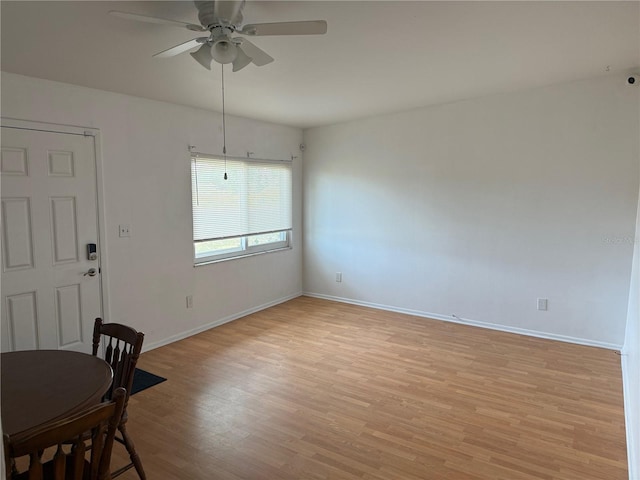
39,386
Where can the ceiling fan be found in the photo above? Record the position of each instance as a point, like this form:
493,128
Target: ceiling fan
223,19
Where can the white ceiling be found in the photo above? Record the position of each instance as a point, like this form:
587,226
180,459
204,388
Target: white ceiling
377,57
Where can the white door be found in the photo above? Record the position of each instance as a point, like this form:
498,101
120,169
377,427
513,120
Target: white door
50,297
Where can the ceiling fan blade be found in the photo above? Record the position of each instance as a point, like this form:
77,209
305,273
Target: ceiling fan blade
183,47
203,56
258,56
311,27
241,61
157,20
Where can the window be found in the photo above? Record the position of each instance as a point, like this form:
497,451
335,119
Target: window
248,213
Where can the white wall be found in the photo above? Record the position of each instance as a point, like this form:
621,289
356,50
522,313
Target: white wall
146,170
478,208
631,361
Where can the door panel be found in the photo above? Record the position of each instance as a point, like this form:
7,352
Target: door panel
64,230
22,320
49,214
18,242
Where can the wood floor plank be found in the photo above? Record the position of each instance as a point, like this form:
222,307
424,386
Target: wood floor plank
313,389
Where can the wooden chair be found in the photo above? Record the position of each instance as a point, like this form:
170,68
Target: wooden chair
122,346
101,420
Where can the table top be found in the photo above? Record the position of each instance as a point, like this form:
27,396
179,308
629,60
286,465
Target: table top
39,386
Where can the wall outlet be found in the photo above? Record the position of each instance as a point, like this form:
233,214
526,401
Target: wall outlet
543,303
124,230
338,277
189,301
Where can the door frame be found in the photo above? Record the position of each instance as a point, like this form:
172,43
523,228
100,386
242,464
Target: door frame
101,220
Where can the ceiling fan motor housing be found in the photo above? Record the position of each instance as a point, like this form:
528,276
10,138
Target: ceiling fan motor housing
224,12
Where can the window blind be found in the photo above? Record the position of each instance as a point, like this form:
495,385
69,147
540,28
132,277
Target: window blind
256,197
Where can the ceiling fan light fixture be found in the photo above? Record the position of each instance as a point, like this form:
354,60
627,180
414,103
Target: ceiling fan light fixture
224,51
203,56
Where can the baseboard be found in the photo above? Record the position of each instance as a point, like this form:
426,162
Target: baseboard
217,323
466,321
632,427
417,313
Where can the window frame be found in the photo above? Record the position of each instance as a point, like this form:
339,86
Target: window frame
245,249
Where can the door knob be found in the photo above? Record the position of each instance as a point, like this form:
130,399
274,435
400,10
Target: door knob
92,272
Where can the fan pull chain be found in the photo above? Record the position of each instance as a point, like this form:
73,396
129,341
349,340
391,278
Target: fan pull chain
224,129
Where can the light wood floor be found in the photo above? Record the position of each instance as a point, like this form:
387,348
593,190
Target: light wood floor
313,389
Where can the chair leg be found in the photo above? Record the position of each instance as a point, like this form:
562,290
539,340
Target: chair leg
131,449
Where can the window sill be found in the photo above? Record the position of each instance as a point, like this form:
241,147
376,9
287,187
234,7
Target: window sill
245,255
